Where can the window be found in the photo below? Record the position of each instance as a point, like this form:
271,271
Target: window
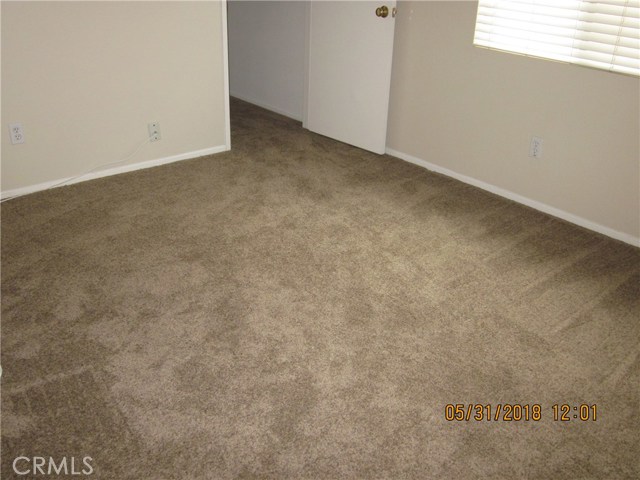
603,35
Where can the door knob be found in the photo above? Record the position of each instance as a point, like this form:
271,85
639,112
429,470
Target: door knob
382,11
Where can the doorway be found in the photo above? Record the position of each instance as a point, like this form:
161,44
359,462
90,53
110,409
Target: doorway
267,54
327,64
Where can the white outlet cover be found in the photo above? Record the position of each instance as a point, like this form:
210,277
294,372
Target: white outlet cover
535,148
154,131
16,132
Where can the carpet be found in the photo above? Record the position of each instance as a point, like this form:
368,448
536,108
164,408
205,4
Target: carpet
299,308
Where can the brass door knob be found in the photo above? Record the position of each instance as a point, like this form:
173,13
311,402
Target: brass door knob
382,11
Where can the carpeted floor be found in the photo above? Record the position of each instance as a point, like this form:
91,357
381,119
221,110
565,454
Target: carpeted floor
298,308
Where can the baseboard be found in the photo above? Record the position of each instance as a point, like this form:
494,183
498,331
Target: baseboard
556,212
111,171
271,108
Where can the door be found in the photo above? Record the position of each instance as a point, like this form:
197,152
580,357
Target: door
349,71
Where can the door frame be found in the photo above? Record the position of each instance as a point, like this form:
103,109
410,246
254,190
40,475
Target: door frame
225,74
307,53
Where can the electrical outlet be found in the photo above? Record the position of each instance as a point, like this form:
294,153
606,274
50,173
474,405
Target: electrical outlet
154,131
535,149
17,133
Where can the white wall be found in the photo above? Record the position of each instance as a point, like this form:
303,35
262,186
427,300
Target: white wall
85,78
266,54
472,112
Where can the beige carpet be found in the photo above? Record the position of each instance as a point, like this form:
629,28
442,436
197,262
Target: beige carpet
298,308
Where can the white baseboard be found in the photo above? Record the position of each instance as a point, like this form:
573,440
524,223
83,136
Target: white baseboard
111,171
556,212
294,116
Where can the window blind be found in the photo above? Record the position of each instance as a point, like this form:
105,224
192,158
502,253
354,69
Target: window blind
603,34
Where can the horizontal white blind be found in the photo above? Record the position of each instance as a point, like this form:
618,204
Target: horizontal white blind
602,34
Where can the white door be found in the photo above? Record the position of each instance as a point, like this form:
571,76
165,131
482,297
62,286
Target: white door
349,71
